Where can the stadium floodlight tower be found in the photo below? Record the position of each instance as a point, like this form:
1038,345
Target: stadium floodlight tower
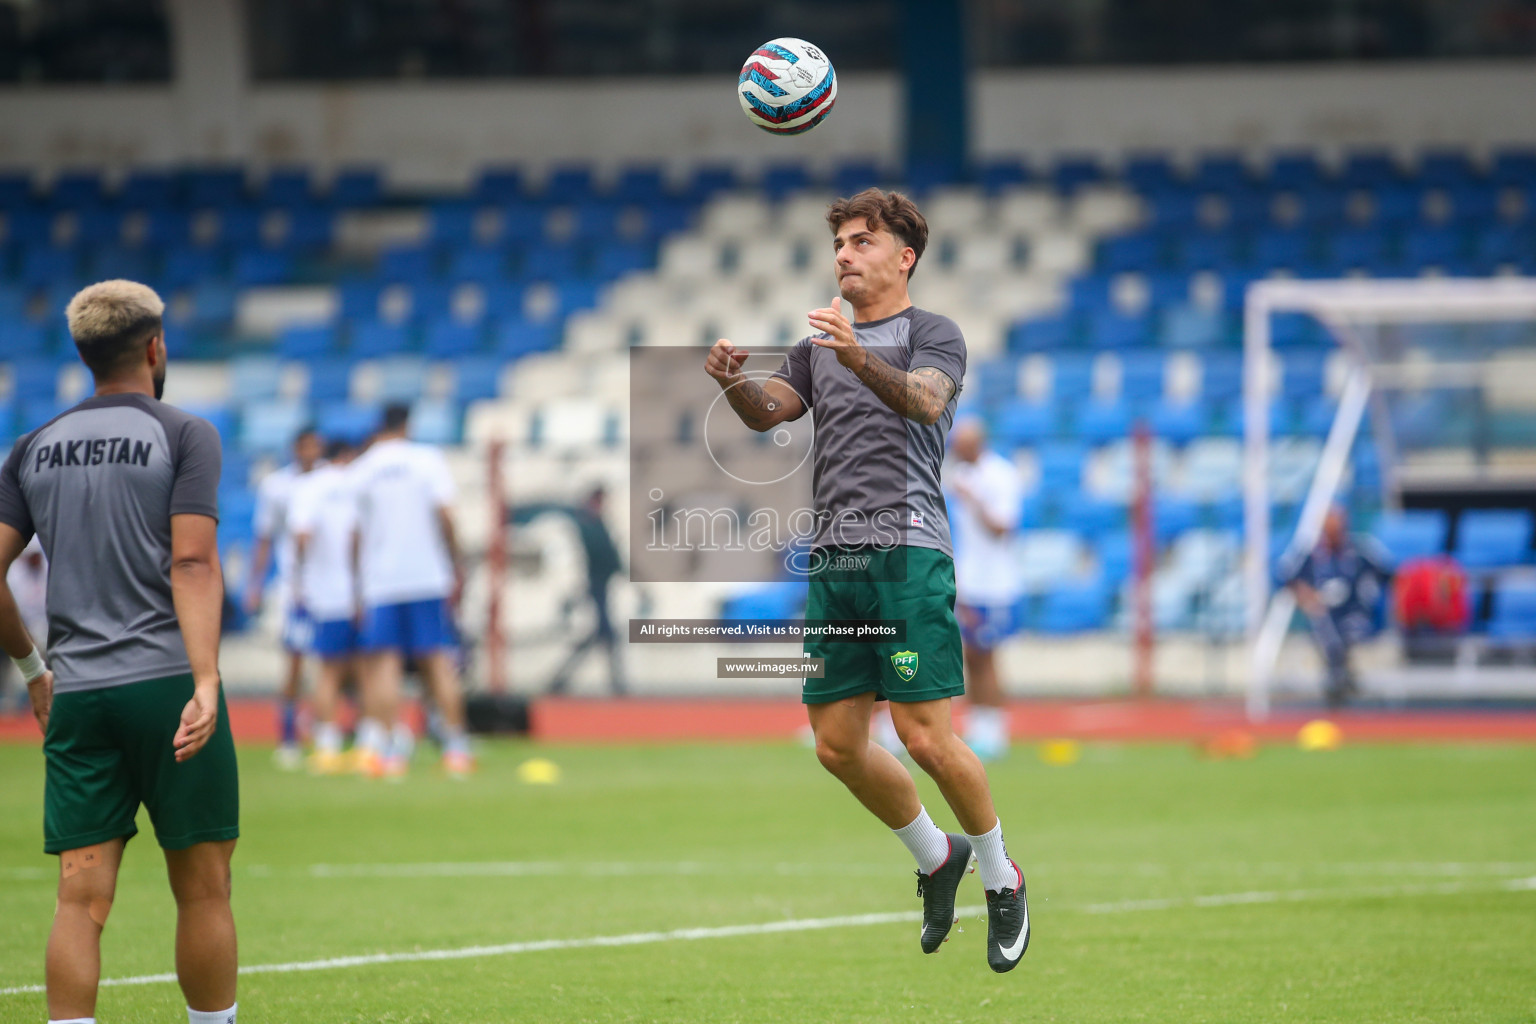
1399,338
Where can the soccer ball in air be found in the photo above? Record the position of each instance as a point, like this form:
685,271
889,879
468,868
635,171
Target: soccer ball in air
787,86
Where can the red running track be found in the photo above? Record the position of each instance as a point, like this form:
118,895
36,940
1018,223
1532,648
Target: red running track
570,720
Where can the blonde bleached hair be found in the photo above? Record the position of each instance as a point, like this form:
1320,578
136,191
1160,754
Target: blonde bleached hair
109,318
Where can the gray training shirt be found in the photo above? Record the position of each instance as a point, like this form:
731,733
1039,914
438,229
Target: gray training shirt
875,475
98,485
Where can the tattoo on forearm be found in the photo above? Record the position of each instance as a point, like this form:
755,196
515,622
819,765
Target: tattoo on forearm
751,402
920,395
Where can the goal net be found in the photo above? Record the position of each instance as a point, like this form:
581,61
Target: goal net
1430,407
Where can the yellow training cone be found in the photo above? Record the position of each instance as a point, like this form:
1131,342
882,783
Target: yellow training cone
538,771
1320,734
1060,752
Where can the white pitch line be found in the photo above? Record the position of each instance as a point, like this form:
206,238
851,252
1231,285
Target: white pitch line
811,924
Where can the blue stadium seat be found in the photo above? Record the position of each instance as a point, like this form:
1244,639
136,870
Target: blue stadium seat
596,221
1512,617
476,377
503,301
569,183
1099,422
307,341
1140,251
1475,203
708,180
114,261
97,226
481,264
47,265
1061,465
330,380
1141,375
551,262
1208,250
254,378
1369,168
1301,372
407,264
1040,334
453,222
349,420
1000,173
1071,376
1295,171
1447,168
432,300
1506,245
22,340
1323,207
78,188
359,299
1167,289
1493,538
1295,330
212,306
1358,249
147,190
574,296
1172,516
447,338
1397,205
643,184
1178,422
434,421
37,411
37,377
1116,555
520,337
1090,515
993,382
1073,170
620,258
1151,172
287,186
214,186
310,228
13,302
499,185
29,226
1514,165
857,174
254,268
1075,607
356,187
15,190
401,378
1222,172
373,338
241,226
167,227
1025,423
1283,249
1187,326
1174,210
1427,247
1116,330
1413,534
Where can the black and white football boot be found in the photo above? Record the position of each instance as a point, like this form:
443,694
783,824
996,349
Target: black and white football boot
1007,926
938,893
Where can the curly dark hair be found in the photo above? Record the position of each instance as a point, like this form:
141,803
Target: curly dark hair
881,209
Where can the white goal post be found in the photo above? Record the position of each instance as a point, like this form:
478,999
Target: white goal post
1344,308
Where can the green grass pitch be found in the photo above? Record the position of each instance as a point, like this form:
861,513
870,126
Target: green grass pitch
1380,883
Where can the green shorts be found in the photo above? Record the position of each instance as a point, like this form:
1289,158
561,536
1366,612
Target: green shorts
912,584
109,750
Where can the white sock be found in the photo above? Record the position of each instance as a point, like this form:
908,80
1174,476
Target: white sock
211,1016
997,871
456,741
75,1020
402,742
327,738
925,841
370,736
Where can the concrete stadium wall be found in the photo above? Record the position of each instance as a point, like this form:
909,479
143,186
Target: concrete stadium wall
439,134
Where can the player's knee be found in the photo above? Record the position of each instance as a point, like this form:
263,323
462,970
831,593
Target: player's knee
927,750
95,901
207,882
837,757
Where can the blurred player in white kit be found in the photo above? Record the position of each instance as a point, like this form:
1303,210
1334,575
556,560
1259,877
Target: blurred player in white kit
274,539
409,580
987,499
323,519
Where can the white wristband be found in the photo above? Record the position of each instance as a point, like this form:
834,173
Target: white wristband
31,666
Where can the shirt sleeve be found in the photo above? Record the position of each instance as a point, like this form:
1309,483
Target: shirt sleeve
441,480
937,342
1005,498
797,370
302,505
14,511
196,487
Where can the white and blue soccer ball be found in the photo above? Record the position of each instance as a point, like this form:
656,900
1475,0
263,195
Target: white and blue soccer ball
787,86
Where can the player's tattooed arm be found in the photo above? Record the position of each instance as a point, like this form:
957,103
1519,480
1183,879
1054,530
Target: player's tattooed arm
760,405
920,395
